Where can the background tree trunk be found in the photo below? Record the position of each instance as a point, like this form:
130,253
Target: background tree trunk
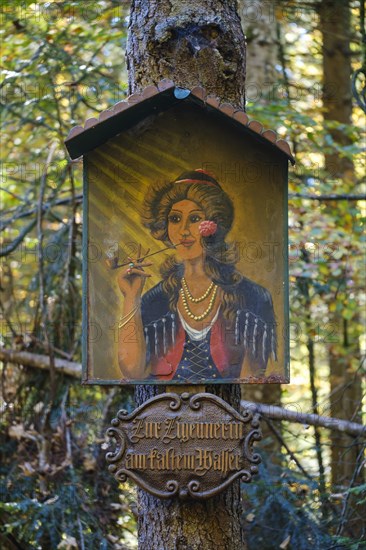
344,353
260,28
200,43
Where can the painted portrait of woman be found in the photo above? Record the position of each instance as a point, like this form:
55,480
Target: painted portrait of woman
204,320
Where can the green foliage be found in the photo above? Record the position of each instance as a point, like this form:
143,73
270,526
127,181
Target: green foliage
284,510
63,62
56,487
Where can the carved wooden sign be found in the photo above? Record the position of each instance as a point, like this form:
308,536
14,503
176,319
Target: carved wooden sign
184,445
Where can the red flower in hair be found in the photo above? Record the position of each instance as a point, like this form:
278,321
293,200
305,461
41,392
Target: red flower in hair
207,228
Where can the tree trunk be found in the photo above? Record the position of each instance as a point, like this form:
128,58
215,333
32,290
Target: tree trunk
337,94
193,44
191,525
344,354
260,28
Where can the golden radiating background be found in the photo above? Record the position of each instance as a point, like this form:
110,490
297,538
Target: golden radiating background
161,148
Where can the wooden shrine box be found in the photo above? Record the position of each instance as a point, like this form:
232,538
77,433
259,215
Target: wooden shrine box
215,305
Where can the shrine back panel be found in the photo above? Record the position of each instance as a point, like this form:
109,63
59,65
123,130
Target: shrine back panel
186,254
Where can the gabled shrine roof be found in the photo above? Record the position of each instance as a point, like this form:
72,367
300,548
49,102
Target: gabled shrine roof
127,113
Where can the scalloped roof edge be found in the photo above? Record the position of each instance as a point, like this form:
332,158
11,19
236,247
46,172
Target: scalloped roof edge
80,137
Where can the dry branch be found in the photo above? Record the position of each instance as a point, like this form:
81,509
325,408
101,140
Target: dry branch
29,359
309,419
329,197
73,369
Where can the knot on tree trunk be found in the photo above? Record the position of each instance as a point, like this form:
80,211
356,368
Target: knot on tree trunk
200,45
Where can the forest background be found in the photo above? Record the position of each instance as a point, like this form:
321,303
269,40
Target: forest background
63,62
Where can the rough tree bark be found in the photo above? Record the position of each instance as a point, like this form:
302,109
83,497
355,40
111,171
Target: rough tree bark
191,43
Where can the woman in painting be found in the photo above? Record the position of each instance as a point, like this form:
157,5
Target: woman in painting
203,320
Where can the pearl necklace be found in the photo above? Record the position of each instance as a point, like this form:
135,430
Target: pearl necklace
201,298
207,310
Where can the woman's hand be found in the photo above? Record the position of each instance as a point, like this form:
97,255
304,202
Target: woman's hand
132,280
